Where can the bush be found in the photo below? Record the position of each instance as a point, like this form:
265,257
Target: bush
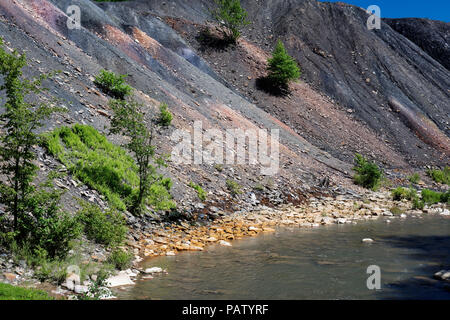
165,117
231,16
282,67
367,174
200,192
108,228
112,84
46,227
401,193
233,187
440,176
432,197
418,204
120,259
414,178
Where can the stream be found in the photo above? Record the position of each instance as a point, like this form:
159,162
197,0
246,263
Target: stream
329,262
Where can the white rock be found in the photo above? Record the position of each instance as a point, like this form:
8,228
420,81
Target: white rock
224,243
446,212
153,270
71,281
341,220
81,289
367,240
170,253
403,215
122,279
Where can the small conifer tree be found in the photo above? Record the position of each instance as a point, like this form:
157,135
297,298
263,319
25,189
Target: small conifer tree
282,67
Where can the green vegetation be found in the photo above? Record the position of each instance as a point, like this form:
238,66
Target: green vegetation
396,211
112,84
130,120
9,292
165,117
200,192
414,178
367,174
107,228
233,187
282,67
231,17
440,176
218,167
120,259
95,161
401,193
39,224
432,197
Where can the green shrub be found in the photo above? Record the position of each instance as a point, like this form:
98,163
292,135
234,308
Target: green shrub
218,167
233,187
10,292
112,84
120,259
440,176
46,227
418,204
431,197
165,117
200,192
108,228
282,67
231,16
401,193
367,174
414,178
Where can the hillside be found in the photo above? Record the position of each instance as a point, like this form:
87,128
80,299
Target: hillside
381,93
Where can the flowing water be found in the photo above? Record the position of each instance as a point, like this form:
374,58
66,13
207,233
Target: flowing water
328,262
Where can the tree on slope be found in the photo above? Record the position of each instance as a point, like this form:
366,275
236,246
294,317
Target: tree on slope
231,16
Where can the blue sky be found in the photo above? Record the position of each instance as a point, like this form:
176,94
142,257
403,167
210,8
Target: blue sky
432,9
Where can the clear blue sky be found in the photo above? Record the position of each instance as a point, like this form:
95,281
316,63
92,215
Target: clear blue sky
431,9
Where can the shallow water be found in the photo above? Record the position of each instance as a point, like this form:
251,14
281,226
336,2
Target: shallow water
328,262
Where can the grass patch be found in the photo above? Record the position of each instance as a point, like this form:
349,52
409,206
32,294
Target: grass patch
414,178
440,176
120,259
200,192
233,187
10,292
103,166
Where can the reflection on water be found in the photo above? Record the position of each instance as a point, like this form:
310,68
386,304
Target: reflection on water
323,263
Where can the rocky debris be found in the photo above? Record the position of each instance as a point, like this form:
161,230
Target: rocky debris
443,275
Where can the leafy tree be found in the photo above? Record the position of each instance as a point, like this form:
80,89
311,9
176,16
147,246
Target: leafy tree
18,125
231,16
367,174
282,67
130,121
